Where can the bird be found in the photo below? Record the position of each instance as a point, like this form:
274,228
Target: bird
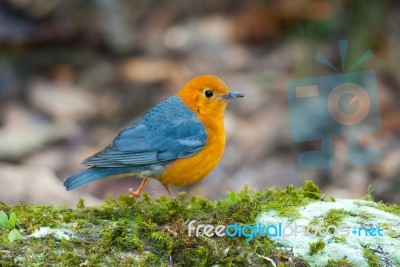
178,142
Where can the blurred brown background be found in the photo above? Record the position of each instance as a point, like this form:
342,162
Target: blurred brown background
74,73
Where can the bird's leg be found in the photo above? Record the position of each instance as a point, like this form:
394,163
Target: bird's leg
138,192
169,191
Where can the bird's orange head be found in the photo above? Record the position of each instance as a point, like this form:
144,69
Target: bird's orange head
207,96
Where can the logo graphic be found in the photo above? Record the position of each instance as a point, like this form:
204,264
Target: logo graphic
336,105
279,230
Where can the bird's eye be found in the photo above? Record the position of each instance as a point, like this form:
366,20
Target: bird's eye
208,93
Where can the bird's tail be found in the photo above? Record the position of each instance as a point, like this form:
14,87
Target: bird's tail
92,174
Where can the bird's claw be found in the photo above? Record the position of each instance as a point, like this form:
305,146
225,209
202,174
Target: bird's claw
136,194
133,194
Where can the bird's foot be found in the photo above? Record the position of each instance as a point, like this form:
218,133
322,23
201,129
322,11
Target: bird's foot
134,194
169,191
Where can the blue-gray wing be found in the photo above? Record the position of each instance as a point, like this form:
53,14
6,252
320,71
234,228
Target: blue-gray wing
167,132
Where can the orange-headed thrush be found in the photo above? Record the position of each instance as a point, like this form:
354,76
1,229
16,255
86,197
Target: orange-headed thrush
178,142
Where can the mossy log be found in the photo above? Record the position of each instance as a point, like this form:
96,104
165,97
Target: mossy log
125,232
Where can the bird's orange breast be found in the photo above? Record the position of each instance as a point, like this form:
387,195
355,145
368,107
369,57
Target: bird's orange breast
190,170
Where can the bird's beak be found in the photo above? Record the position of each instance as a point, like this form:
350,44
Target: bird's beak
231,95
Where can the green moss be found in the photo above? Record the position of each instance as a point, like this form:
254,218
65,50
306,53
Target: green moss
391,208
81,204
388,230
286,202
339,263
372,259
311,190
365,216
3,207
316,246
126,232
369,195
339,239
333,218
